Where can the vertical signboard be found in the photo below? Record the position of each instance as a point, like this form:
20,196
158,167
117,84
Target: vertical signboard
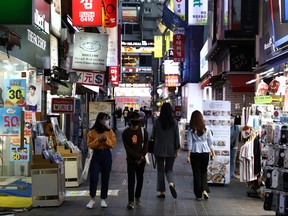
87,13
114,76
197,12
110,13
158,47
178,44
179,8
216,115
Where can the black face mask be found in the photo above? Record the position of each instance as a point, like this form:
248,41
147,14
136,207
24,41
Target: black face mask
134,122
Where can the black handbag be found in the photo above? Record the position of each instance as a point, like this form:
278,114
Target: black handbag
151,146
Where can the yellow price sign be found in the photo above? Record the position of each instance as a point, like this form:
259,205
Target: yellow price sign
16,95
15,157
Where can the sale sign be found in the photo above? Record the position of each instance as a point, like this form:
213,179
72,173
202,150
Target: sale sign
10,121
14,93
87,12
18,153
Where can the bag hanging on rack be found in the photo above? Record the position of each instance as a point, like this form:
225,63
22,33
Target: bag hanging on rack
85,172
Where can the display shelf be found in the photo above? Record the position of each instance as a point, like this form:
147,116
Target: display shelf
48,182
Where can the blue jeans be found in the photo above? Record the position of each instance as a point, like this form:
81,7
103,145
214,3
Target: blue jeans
233,155
101,162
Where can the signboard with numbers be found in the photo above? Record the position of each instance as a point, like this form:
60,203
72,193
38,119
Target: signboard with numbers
10,118
18,154
14,93
63,105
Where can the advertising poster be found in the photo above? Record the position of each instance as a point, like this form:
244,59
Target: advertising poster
216,115
33,96
96,107
10,119
18,154
14,93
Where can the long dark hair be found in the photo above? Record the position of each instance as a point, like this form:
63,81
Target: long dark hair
197,123
98,126
166,115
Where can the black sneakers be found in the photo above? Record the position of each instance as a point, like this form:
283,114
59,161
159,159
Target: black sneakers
173,190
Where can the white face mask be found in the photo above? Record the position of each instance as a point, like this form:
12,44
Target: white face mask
106,123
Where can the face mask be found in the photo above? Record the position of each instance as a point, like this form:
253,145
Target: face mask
106,123
134,122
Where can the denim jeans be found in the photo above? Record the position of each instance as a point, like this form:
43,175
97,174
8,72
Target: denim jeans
233,154
101,162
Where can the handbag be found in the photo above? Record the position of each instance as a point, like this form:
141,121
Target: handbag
85,171
151,150
150,146
146,156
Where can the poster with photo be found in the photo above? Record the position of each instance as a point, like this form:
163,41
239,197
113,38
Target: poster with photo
216,115
96,107
33,97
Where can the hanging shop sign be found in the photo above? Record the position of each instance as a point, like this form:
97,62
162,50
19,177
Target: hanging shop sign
113,47
41,16
56,18
178,44
110,13
179,8
14,93
114,75
18,153
197,12
171,80
90,51
158,46
10,121
63,105
90,78
87,13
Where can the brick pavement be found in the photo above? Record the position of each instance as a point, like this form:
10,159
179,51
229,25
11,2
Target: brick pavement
229,199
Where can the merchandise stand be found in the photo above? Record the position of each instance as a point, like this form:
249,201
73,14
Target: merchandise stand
73,167
48,182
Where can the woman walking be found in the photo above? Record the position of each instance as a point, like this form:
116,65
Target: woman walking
101,139
165,134
200,145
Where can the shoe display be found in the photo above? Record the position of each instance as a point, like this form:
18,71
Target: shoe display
130,205
103,204
205,194
137,202
90,204
161,196
173,190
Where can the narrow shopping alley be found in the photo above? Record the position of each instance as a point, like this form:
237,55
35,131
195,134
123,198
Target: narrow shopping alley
228,199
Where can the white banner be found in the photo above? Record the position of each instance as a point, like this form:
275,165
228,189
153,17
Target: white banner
90,51
198,13
112,55
179,8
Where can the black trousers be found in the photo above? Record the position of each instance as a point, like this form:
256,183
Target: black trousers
199,163
135,170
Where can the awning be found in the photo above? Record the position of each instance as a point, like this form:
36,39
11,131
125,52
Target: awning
205,82
238,82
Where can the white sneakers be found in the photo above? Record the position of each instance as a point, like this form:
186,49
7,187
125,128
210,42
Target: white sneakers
92,202
103,204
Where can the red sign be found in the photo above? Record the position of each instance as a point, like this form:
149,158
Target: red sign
87,12
126,100
114,75
63,105
172,80
110,13
178,44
